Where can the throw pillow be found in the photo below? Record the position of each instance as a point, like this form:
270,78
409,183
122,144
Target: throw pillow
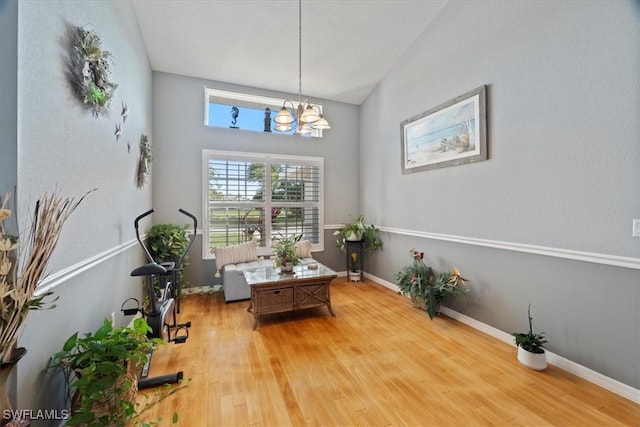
234,254
303,249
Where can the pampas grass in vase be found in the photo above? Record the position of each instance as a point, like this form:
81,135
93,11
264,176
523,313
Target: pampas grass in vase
20,279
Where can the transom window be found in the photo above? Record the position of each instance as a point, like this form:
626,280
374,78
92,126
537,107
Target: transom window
245,111
261,197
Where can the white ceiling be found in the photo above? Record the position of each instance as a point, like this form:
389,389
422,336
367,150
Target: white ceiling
347,45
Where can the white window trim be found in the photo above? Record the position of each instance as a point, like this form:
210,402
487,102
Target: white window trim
259,157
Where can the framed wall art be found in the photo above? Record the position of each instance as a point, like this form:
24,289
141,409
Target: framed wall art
450,134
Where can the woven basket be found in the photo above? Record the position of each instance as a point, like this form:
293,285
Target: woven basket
421,304
108,404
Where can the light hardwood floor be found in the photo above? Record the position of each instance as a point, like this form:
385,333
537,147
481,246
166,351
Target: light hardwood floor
379,362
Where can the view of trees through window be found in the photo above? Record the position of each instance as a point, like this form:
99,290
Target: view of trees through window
245,111
245,203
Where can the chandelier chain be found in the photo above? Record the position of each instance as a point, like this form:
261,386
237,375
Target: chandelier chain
307,117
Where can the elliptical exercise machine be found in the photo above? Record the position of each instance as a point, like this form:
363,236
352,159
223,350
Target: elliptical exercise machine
163,305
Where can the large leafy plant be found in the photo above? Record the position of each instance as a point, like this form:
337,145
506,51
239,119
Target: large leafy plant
414,279
418,281
167,242
102,368
447,284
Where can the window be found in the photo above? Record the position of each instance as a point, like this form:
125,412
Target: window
249,113
242,202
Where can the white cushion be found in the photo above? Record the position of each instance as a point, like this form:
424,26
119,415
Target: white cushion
235,254
303,249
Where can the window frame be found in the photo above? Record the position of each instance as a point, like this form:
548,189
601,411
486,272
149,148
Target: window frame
268,159
252,101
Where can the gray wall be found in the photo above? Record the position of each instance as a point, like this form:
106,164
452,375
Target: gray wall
62,146
563,130
563,105
8,94
8,116
180,137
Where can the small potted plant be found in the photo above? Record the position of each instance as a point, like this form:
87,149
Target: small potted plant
285,253
355,274
356,231
531,347
102,367
418,281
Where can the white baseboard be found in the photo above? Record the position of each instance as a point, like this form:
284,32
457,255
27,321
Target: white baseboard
583,372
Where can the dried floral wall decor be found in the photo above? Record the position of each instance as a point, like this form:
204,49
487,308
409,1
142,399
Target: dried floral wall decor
144,163
89,68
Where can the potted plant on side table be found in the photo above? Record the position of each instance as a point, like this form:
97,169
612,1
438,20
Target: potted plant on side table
355,238
356,231
531,347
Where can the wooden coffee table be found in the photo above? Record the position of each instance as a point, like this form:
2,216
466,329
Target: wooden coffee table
275,292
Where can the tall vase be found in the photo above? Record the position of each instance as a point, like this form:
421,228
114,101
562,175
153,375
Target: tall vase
5,371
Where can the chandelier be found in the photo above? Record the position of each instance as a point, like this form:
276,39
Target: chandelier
307,116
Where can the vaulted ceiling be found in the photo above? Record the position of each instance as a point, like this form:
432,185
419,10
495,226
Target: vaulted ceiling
347,45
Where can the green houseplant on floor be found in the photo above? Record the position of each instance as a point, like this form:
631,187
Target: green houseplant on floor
167,242
102,367
414,279
418,281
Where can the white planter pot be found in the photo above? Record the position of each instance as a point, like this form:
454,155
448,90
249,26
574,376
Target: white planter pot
536,361
353,237
355,276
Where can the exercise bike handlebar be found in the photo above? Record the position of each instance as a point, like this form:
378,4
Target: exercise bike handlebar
135,223
195,230
190,215
149,212
139,217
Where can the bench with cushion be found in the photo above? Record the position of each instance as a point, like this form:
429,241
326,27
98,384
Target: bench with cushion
233,260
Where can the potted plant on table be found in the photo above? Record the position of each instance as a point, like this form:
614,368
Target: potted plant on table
531,351
285,253
356,231
418,281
